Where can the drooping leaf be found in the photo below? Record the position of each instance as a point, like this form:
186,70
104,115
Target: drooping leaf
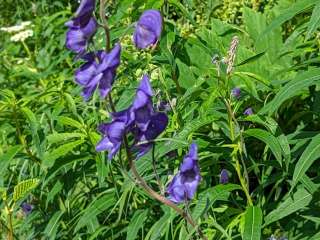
268,139
314,22
50,157
310,154
300,199
291,89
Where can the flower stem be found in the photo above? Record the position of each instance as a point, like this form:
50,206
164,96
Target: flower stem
155,169
27,49
105,23
155,195
245,185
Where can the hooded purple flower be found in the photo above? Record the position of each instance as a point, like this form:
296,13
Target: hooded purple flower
81,28
148,124
26,208
113,133
99,71
236,92
224,177
248,111
148,29
185,183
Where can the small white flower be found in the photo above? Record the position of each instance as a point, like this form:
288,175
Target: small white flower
21,36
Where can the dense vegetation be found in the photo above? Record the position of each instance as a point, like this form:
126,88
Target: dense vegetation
238,79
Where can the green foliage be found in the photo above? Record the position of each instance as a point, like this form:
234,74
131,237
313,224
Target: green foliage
48,133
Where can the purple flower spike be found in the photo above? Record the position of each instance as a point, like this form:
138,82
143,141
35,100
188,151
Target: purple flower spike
81,28
148,29
99,71
248,111
224,177
185,183
236,92
26,208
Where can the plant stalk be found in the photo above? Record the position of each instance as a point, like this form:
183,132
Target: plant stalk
105,23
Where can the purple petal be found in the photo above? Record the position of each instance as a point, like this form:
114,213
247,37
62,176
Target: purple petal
190,160
145,85
105,83
85,7
76,41
85,73
111,59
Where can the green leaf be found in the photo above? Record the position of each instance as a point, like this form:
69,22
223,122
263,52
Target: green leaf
160,227
296,8
253,222
186,77
70,122
300,199
51,229
22,188
251,59
59,137
314,22
268,139
8,156
50,157
97,206
136,223
291,89
34,126
310,154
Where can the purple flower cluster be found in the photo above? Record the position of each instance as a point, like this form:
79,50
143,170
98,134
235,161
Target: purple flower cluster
140,119
185,183
99,69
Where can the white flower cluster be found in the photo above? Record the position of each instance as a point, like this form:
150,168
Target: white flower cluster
21,36
21,33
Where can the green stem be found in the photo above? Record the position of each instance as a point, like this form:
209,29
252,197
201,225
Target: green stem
105,24
27,49
244,184
10,230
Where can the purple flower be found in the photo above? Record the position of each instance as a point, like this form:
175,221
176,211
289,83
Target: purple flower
142,105
236,92
81,28
185,183
157,124
26,208
224,177
248,111
148,29
113,133
148,124
98,71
